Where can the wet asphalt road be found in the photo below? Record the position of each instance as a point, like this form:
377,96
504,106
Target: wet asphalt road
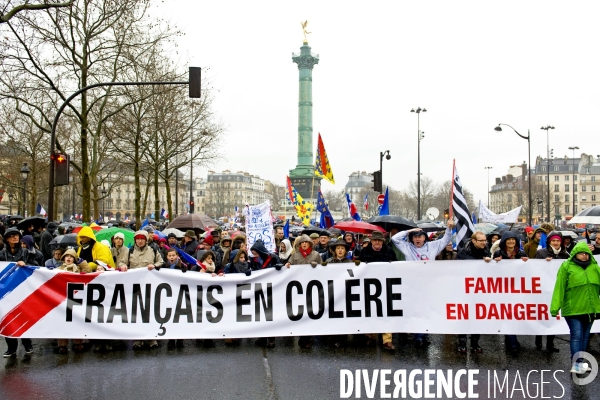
285,372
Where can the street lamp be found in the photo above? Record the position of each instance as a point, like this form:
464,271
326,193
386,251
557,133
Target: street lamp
10,199
547,128
488,171
573,178
24,172
387,157
528,138
103,202
420,137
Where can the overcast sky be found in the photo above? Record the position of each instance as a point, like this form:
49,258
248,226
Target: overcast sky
471,64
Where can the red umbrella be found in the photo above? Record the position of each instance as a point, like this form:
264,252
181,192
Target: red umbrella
358,227
94,228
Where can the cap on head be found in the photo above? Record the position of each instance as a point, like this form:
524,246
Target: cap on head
314,235
376,235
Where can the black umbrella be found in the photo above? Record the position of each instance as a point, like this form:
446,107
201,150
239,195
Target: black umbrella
35,221
590,215
389,222
68,240
430,227
12,220
314,229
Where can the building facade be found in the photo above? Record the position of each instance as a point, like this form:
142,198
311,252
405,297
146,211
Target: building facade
226,190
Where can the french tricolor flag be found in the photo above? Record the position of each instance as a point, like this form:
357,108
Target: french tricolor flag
352,210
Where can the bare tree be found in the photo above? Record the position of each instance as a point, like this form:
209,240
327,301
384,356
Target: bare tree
7,13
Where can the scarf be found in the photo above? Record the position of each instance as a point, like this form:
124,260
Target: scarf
305,253
556,251
582,264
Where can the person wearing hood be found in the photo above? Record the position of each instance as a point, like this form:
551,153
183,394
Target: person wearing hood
143,256
222,252
509,249
531,247
91,251
45,240
120,253
351,242
304,253
492,238
554,250
415,246
13,252
261,258
285,250
568,243
577,297
27,243
72,263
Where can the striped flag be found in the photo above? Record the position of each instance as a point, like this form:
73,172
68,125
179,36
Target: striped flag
366,201
322,167
352,208
464,225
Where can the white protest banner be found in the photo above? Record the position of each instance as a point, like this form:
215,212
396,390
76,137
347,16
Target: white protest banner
259,225
510,217
508,297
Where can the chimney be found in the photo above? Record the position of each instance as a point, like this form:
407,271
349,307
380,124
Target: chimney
504,179
498,181
509,178
524,169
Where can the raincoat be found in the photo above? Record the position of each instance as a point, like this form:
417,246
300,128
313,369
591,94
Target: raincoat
99,251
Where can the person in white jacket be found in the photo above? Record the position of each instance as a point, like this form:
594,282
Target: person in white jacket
415,247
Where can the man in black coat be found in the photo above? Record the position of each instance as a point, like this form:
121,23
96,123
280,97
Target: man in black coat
377,250
476,249
47,237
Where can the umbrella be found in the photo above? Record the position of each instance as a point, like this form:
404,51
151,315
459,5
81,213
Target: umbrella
358,227
107,234
430,227
35,221
69,225
314,229
590,215
485,227
569,233
12,220
335,231
389,222
69,240
176,231
197,222
96,228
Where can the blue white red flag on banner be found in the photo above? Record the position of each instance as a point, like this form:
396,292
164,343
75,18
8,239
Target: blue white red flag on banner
352,208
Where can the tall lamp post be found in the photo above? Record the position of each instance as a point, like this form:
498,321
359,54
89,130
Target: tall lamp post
387,157
103,202
24,172
573,178
191,180
528,138
488,171
547,128
420,136
10,199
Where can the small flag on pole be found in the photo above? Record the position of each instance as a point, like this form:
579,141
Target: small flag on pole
366,202
40,210
326,217
385,207
164,213
322,167
352,208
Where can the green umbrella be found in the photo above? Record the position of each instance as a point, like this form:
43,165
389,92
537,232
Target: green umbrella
107,234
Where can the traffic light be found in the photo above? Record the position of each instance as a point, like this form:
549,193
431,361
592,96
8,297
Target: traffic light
191,206
377,186
61,169
195,82
446,213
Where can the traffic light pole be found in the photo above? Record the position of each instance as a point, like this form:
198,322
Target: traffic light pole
194,92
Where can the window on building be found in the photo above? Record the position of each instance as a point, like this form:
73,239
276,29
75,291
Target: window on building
574,187
567,208
556,168
575,197
509,198
566,177
556,188
583,188
567,187
567,197
593,188
557,209
545,178
543,168
540,178
583,198
574,177
587,170
593,197
540,208
556,178
570,168
574,209
593,179
557,197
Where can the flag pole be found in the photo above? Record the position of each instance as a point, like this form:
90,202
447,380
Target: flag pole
452,190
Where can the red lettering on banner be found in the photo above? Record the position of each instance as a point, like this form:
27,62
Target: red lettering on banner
463,311
450,311
508,311
503,285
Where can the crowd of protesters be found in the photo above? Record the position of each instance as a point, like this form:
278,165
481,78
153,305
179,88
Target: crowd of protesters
218,253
